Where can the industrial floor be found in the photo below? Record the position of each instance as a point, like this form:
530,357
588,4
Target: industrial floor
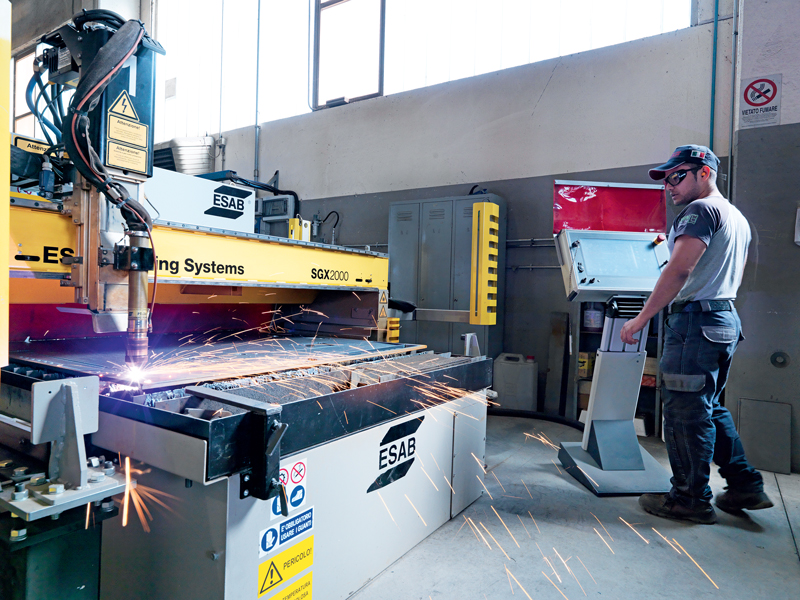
567,543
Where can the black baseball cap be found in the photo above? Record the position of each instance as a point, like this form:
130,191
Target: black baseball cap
698,155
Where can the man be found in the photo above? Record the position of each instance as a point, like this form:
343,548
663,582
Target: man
708,242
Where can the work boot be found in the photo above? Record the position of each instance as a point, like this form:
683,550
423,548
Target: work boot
733,501
663,505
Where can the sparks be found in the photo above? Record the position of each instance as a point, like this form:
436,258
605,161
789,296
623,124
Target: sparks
589,478
666,540
470,528
383,407
634,531
555,586
526,489
88,511
602,538
556,466
566,566
584,566
506,526
523,526
479,463
126,501
601,525
484,487
534,522
498,481
429,479
695,562
495,541
387,510
518,583
481,534
415,509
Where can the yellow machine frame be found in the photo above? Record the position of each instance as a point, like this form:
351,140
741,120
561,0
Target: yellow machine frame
5,168
189,256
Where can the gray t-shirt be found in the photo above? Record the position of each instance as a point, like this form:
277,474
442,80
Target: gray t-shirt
726,234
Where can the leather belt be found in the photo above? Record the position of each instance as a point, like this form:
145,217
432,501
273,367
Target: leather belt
700,306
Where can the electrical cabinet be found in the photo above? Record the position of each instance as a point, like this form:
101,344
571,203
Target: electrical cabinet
430,264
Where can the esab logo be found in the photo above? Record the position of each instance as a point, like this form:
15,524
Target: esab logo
228,202
396,453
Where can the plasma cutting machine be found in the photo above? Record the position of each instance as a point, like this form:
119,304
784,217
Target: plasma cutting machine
277,441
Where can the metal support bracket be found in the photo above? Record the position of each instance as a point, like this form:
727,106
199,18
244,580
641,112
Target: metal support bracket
262,480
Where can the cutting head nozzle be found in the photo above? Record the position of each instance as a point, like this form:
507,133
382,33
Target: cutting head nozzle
136,349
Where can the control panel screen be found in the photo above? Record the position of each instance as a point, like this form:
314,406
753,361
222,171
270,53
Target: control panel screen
619,258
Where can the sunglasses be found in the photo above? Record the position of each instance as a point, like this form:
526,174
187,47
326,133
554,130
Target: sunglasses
675,178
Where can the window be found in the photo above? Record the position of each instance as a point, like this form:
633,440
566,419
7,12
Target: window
206,82
433,41
24,121
349,43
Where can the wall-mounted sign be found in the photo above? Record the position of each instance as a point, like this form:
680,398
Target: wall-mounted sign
760,104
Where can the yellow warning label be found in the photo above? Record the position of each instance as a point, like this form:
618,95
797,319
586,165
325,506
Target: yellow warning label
124,107
125,157
383,298
30,144
127,131
300,590
383,312
286,565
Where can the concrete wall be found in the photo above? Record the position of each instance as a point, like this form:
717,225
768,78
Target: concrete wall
628,104
765,189
769,44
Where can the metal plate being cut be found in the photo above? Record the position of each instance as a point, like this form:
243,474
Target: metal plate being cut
176,361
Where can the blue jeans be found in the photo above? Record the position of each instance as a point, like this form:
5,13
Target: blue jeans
698,348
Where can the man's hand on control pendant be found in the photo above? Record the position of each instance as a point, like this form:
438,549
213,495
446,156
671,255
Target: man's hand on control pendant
630,329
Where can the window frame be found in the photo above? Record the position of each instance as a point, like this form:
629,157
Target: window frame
319,6
20,56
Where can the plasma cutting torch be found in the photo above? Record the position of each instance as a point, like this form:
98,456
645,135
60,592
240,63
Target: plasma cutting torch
107,135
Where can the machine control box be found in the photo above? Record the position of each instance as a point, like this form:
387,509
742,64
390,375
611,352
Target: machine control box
597,265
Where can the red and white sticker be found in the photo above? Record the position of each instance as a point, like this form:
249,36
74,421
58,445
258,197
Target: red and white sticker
294,476
298,471
760,102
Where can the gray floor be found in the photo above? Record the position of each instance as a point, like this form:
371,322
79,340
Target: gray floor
751,557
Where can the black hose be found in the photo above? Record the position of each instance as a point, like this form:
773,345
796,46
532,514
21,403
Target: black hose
333,212
102,70
265,187
529,414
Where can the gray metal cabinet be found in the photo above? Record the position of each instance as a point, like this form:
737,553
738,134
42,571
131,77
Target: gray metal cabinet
430,244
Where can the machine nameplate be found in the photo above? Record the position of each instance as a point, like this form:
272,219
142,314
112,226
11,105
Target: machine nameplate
284,566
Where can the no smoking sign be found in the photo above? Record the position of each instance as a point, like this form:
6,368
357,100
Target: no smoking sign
760,103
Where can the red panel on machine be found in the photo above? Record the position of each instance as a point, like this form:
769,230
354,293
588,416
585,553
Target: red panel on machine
608,207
